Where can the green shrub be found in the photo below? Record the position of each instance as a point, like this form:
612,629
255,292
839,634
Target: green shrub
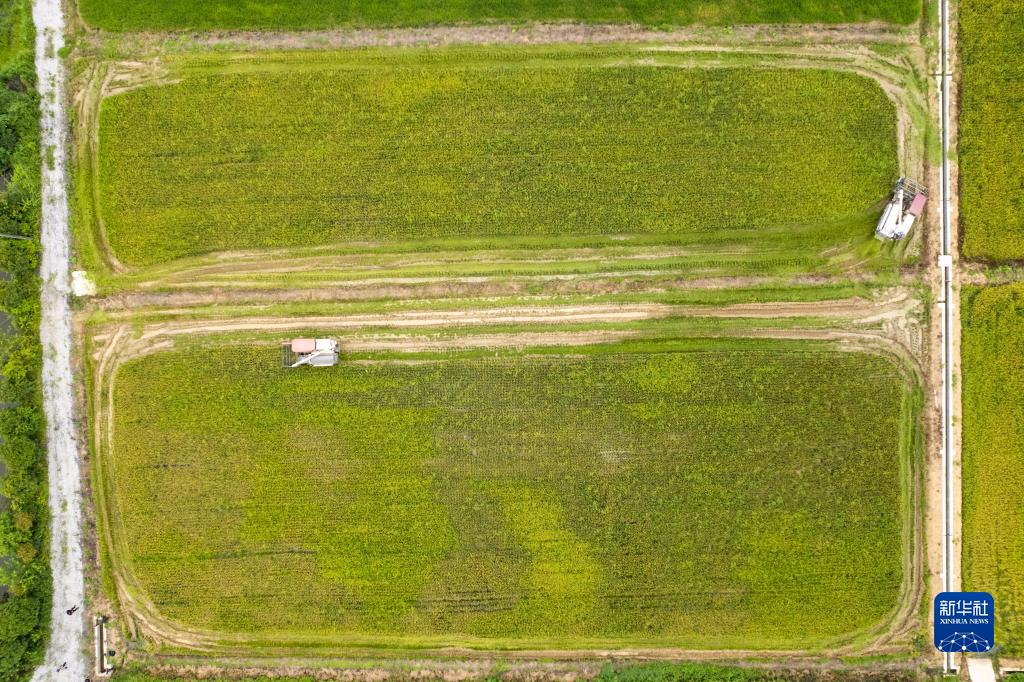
23,526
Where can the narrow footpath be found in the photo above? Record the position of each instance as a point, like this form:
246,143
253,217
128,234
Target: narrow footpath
66,645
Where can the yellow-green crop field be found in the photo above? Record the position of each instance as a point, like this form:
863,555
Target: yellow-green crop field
146,15
416,145
991,129
993,454
666,494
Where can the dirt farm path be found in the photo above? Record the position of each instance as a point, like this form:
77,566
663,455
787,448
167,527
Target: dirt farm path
66,643
506,34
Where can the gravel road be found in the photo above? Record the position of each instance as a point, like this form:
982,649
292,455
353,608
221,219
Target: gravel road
67,643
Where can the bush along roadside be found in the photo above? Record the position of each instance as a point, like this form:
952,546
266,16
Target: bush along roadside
25,588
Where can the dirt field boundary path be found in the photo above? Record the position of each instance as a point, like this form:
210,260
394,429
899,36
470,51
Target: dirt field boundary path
950,302
66,643
161,42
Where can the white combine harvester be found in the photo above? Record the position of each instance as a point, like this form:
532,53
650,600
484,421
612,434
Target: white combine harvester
905,205
312,352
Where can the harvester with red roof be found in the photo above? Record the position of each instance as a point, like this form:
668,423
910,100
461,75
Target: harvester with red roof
905,205
312,352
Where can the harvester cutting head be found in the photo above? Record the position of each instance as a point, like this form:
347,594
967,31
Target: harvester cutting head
905,205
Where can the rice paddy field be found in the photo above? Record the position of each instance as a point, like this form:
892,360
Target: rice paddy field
666,494
389,146
145,15
993,454
991,128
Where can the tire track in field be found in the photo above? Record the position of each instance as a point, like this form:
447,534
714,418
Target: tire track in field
116,344
891,73
897,305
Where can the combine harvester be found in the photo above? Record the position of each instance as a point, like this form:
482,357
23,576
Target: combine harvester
312,352
905,205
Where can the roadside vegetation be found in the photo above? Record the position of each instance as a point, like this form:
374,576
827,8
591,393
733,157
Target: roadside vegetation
644,672
462,144
991,33
24,573
177,15
993,454
666,493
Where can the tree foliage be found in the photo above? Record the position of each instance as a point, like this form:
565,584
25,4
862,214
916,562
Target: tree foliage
23,528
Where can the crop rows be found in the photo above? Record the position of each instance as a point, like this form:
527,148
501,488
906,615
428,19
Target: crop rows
421,150
991,129
128,15
709,498
993,456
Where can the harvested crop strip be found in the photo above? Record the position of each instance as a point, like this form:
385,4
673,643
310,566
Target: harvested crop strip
993,464
680,496
462,144
134,15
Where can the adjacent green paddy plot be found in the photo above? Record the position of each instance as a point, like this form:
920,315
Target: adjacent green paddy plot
993,517
458,145
597,496
135,15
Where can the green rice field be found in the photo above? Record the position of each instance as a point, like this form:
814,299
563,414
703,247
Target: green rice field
993,454
144,15
991,33
670,494
385,146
